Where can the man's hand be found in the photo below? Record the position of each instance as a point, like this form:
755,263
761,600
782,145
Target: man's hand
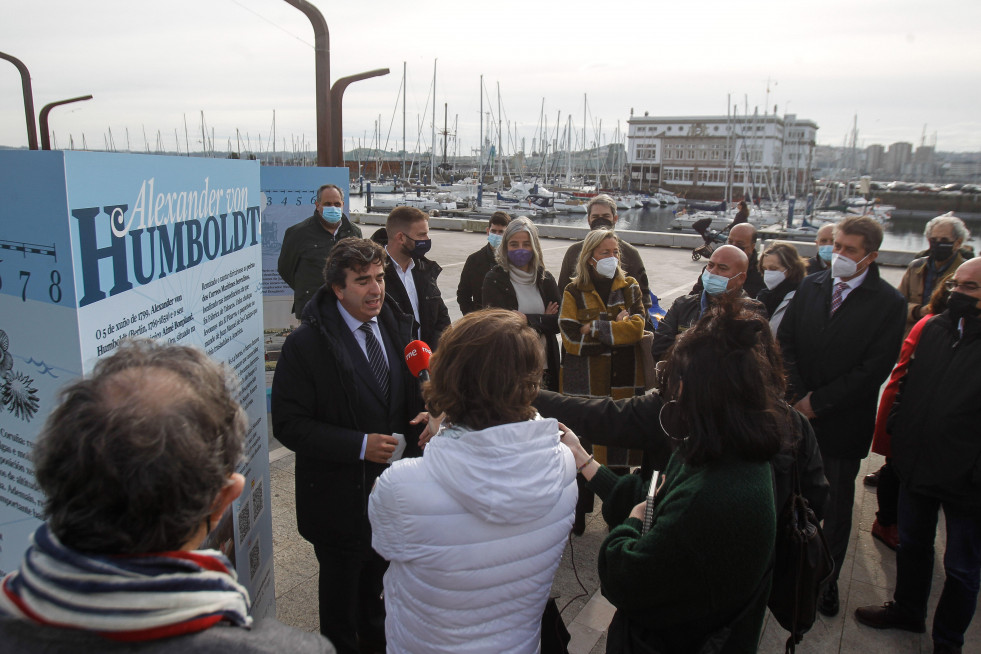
552,308
380,448
804,406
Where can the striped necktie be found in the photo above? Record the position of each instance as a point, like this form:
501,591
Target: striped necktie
376,357
836,296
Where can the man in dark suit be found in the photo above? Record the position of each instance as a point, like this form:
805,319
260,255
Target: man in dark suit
340,395
468,292
410,277
307,244
840,338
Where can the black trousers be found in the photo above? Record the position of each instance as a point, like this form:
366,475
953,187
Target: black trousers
887,494
841,474
352,611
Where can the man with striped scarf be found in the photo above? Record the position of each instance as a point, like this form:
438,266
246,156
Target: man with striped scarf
137,464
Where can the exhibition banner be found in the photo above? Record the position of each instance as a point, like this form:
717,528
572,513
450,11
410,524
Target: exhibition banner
98,247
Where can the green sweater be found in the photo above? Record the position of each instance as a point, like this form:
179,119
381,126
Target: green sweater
708,549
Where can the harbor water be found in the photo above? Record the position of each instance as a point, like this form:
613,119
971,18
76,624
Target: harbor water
902,233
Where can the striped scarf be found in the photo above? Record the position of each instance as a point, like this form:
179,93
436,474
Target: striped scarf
128,598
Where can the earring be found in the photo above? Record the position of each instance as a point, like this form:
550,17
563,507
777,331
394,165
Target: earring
660,419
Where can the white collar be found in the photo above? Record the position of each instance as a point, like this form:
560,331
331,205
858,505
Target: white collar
352,323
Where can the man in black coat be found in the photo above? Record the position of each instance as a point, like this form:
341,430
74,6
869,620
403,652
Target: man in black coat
743,236
410,278
468,292
339,408
728,265
840,338
936,452
307,244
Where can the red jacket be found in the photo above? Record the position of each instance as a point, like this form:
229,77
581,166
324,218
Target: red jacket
882,440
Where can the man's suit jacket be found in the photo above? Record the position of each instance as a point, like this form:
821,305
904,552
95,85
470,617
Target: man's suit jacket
842,359
433,315
325,398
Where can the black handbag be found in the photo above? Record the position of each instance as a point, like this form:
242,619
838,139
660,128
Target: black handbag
802,565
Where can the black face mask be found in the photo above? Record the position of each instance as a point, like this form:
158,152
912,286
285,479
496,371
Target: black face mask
601,223
419,247
961,305
941,251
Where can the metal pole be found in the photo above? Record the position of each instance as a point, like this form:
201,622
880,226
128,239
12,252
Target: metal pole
45,142
322,75
336,153
25,82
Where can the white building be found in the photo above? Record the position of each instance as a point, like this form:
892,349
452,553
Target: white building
760,155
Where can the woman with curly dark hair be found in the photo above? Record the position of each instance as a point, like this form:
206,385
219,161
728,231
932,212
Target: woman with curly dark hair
703,563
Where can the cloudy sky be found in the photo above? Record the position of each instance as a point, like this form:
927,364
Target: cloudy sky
899,65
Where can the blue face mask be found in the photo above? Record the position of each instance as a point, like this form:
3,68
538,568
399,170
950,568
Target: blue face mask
824,251
331,214
495,240
714,284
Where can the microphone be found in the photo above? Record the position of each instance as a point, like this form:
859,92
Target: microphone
417,355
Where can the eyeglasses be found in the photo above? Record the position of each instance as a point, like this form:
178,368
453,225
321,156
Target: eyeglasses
952,285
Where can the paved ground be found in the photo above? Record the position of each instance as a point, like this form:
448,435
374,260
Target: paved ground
868,576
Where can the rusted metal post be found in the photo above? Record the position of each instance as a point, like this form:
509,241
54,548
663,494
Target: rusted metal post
25,82
45,137
322,74
336,98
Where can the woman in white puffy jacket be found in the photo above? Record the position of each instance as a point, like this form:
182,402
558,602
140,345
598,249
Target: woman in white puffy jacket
474,529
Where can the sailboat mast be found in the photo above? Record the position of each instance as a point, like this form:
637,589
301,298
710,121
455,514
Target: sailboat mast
585,162
480,166
432,158
403,119
500,139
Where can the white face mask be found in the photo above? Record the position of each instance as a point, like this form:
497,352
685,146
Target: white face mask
842,266
607,267
772,278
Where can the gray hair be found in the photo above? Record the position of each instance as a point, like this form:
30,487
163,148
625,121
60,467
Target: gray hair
133,457
520,224
960,230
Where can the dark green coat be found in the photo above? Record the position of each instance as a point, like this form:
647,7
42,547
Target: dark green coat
707,552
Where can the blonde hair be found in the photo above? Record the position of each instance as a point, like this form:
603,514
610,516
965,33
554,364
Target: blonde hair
590,243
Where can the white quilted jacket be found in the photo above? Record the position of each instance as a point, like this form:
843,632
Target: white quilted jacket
474,531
